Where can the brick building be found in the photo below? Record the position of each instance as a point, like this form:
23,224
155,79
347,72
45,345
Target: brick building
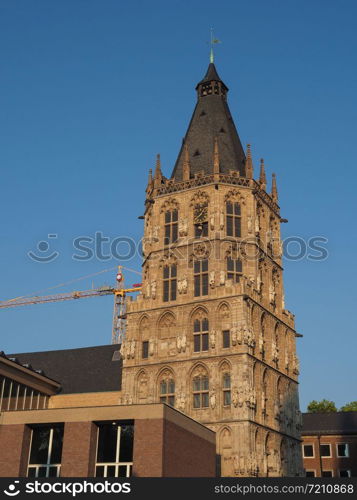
329,444
78,429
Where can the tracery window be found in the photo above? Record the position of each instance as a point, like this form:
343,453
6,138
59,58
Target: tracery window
200,391
200,335
200,273
169,282
226,387
171,226
167,391
234,269
233,219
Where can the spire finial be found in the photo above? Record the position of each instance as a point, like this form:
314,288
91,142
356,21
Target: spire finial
249,163
186,164
158,175
213,41
274,189
262,176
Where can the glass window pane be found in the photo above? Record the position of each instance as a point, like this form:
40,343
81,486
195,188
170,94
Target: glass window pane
239,266
166,272
167,217
227,398
173,289
229,207
226,381
52,472
107,442
196,325
230,264
174,233
196,384
197,286
196,343
229,224
57,441
236,209
342,450
308,450
163,388
166,291
204,265
39,445
31,472
204,383
126,443
205,325
310,473
122,472
173,271
237,227
204,284
205,400
196,266
205,342
110,471
99,471
205,229
196,401
171,386
174,215
171,400
327,473
42,472
345,473
226,338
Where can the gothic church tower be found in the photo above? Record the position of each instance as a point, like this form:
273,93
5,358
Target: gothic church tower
209,334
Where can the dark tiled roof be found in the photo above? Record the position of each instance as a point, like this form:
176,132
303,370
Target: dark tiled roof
89,369
211,119
344,422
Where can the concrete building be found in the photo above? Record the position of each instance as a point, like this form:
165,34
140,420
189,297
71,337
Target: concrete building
330,444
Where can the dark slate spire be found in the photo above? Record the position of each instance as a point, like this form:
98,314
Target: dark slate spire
211,121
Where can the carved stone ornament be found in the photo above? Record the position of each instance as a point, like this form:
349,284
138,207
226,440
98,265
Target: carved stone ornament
212,338
182,227
181,343
212,279
182,285
153,289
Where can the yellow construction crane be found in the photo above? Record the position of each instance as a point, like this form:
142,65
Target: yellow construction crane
119,292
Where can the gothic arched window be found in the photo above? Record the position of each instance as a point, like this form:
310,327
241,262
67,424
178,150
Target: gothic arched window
167,390
169,282
171,226
200,335
234,269
233,219
226,387
200,389
200,273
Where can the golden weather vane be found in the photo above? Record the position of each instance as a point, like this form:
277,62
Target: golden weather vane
213,42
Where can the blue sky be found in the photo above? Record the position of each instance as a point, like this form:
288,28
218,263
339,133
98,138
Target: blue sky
90,91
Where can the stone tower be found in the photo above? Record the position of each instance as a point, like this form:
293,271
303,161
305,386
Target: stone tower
209,334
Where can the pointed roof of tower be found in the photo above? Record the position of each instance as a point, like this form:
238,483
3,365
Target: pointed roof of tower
211,119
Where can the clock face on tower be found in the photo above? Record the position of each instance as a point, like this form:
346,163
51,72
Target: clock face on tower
200,214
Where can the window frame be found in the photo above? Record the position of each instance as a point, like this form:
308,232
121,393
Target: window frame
169,283
164,397
225,337
227,390
236,273
344,470
170,226
202,335
48,465
202,392
313,450
117,463
327,470
348,450
145,349
310,470
200,277
233,219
